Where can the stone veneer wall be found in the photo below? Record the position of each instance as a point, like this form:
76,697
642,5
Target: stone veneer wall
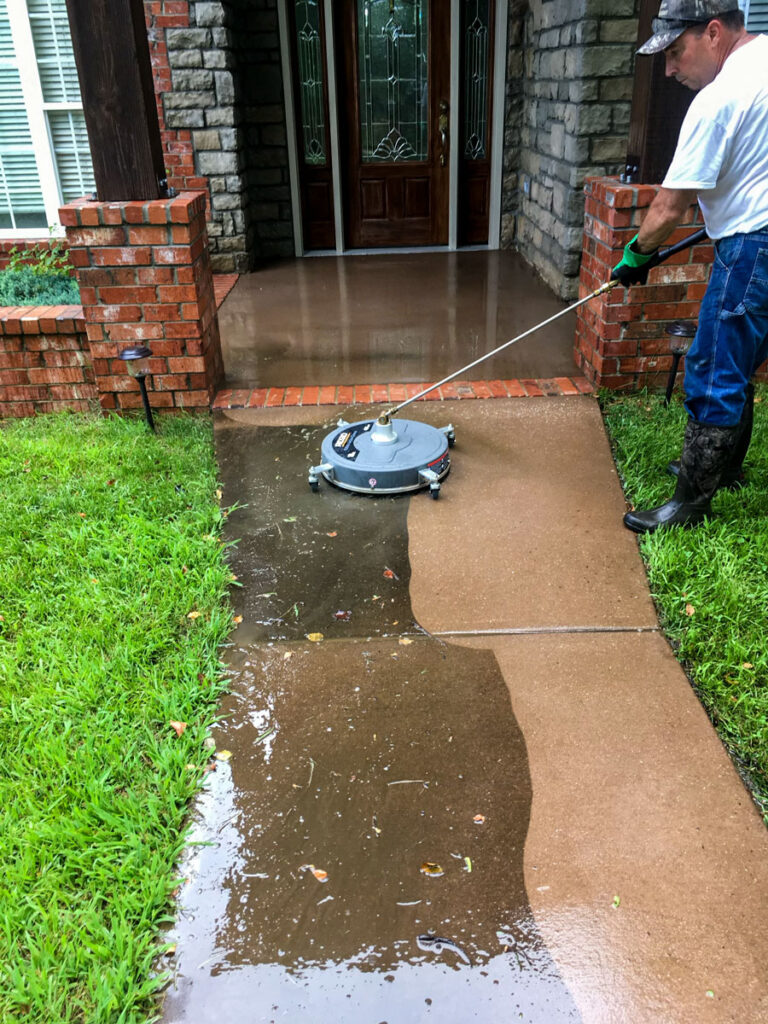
569,92
217,75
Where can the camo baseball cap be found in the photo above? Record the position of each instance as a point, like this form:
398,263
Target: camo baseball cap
675,16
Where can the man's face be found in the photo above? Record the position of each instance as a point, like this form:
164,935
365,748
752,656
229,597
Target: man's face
692,59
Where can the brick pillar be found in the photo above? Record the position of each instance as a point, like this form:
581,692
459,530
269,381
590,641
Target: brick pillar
621,340
145,278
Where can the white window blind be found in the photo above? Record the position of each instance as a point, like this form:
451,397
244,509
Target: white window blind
36,35
755,14
21,198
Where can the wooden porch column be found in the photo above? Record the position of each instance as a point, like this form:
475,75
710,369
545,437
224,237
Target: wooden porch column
109,38
659,105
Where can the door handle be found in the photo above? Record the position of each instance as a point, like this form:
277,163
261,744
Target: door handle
442,127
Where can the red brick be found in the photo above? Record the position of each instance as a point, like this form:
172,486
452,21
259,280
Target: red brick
531,388
292,396
310,396
182,329
346,395
160,311
120,256
566,386
275,397
155,275
363,394
134,332
89,237
186,365
397,393
177,293
147,235
114,314
327,395
89,215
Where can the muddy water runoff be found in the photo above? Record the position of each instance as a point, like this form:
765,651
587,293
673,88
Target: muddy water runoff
378,795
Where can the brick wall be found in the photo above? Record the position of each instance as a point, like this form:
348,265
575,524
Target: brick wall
145,278
569,92
45,362
621,338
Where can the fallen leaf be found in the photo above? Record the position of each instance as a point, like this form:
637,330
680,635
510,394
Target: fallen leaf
431,869
82,515
747,664
315,637
388,574
170,950
194,615
288,655
223,755
110,483
290,519
467,863
616,902
178,727
710,994
405,640
218,494
320,875
342,616
209,743
690,610
375,597
479,819
94,580
238,619
333,533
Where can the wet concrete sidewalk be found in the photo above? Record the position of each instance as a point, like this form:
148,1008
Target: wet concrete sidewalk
486,741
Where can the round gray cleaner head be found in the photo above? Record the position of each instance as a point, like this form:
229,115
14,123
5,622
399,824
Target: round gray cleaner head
385,456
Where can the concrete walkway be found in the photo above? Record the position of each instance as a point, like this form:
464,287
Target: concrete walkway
492,696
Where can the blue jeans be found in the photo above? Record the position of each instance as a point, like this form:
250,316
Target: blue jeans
732,336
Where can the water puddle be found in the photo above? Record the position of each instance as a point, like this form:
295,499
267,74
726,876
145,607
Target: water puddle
364,842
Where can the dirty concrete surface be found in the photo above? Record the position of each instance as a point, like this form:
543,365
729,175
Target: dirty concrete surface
390,318
492,656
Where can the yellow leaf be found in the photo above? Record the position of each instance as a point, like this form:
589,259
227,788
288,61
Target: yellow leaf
431,869
218,494
238,619
288,655
405,640
747,664
690,610
468,864
320,875
194,615
315,637
223,755
178,727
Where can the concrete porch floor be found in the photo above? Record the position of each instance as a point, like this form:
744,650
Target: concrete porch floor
390,318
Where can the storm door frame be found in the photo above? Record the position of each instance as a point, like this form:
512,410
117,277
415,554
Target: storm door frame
497,132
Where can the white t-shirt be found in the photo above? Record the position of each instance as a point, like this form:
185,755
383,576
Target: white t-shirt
722,151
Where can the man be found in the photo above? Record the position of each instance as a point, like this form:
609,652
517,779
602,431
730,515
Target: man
721,159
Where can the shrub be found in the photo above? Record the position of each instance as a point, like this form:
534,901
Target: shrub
29,287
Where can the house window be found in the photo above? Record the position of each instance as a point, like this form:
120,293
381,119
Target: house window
44,156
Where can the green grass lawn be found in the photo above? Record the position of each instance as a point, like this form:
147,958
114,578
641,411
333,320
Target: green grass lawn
710,583
113,605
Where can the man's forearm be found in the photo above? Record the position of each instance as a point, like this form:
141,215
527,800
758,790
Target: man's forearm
664,215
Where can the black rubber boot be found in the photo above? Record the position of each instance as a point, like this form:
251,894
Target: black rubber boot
733,478
706,452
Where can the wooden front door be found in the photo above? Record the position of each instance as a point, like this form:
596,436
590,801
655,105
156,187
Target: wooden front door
394,88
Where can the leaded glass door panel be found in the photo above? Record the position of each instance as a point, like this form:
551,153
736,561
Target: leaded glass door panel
395,75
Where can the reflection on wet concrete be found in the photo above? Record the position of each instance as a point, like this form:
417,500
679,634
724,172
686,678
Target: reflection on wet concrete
365,756
334,562
390,317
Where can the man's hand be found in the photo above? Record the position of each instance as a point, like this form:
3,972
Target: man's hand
633,267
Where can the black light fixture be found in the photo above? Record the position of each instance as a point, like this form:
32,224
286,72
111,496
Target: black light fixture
137,359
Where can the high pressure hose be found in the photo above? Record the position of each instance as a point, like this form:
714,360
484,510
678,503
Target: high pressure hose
659,257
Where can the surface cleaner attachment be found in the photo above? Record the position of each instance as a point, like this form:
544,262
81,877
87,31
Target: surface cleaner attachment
377,457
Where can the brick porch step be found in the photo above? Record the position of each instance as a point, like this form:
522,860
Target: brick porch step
367,394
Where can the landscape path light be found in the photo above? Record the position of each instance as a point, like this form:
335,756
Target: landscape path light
137,359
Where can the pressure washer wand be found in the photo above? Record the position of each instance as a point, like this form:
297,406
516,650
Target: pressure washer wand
660,256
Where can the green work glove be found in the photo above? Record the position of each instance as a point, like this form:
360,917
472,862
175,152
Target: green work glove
633,268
